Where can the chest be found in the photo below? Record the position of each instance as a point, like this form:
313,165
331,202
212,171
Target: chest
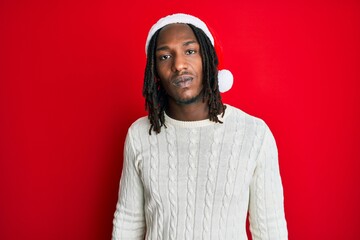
197,161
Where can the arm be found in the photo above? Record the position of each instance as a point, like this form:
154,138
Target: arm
266,207
129,220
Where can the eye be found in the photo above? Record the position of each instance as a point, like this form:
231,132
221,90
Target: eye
189,52
164,57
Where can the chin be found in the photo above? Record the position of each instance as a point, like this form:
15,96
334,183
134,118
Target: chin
190,100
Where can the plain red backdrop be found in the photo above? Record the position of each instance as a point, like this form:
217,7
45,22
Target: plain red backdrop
70,85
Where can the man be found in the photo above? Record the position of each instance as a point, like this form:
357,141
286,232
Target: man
194,167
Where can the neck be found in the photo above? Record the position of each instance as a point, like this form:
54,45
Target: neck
188,112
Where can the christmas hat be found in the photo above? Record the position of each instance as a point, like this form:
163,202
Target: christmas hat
225,77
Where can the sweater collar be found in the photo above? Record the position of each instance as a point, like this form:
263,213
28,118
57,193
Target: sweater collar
200,123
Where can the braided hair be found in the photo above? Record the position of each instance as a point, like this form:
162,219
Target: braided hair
156,100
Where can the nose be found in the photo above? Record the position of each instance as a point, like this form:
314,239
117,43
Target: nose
179,63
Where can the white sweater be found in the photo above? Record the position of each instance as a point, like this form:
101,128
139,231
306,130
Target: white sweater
198,179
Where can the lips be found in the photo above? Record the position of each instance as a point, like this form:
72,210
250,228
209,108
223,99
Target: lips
182,81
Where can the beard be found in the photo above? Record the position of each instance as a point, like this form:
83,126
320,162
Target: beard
189,100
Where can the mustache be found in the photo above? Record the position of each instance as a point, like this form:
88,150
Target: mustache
183,79
181,76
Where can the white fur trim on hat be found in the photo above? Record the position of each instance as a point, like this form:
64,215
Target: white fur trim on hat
225,77
178,18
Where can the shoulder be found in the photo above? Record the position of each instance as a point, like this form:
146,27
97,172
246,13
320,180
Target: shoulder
137,131
140,126
235,114
254,128
141,122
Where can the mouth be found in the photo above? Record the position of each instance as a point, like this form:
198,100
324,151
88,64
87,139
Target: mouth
182,81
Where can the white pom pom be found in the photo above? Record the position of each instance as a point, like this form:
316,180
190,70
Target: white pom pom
225,79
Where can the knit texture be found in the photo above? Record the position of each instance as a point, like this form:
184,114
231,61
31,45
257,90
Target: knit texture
199,179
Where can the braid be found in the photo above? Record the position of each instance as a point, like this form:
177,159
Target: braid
210,75
155,95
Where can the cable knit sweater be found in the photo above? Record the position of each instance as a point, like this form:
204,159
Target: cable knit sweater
198,180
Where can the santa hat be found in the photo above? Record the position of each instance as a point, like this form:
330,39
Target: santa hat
225,77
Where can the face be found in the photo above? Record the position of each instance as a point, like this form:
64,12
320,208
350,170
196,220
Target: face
179,64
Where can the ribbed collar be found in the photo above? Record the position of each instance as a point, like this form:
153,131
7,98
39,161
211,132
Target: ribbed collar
200,123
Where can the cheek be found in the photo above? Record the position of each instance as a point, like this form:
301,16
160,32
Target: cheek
198,65
162,70
200,69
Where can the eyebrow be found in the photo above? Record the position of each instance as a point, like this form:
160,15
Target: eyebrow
187,43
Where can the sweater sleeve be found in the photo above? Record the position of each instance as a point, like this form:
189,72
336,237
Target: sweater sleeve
129,220
266,207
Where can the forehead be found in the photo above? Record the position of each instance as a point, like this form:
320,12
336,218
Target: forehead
175,32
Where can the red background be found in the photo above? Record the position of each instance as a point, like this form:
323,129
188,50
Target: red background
70,85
